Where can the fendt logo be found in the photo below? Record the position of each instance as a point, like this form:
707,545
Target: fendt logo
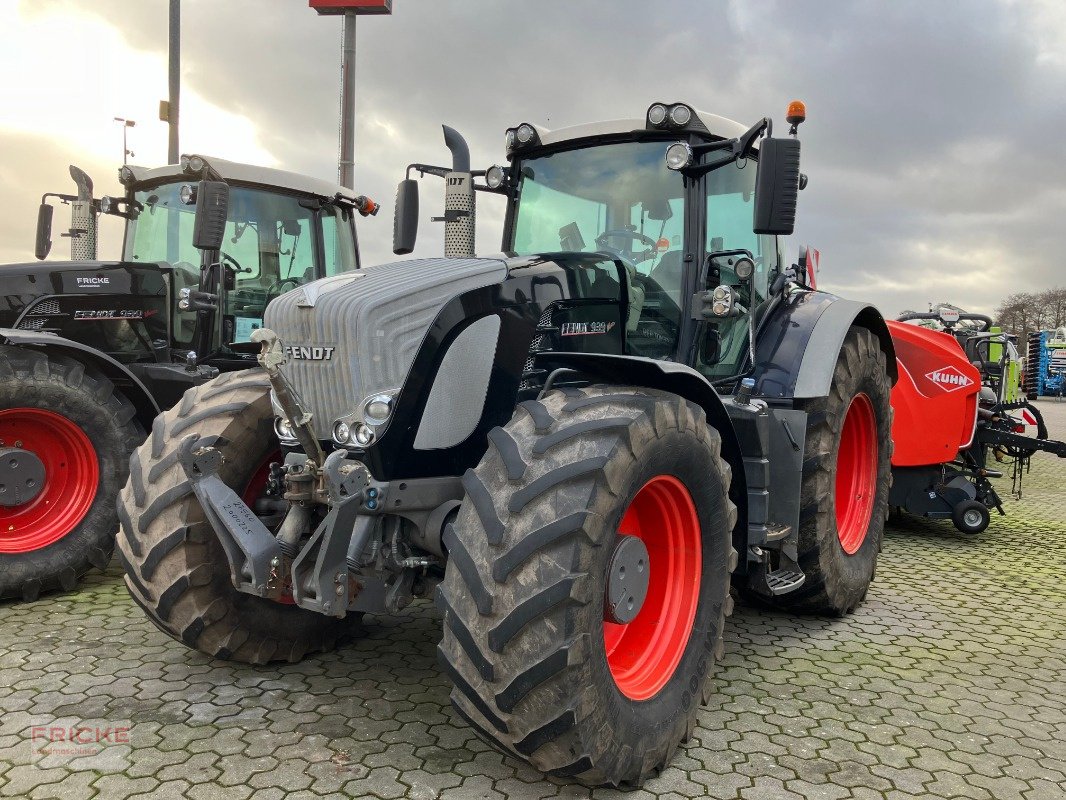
305,353
949,379
95,280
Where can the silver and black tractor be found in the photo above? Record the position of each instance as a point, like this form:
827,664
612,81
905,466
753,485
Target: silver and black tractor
578,447
91,351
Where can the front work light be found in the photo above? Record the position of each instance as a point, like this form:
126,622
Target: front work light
657,114
525,133
680,115
494,176
678,155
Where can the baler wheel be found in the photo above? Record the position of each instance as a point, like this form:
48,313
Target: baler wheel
846,477
76,430
561,650
176,570
971,517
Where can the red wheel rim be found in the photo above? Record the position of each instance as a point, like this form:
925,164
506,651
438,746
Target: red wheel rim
644,654
71,478
856,482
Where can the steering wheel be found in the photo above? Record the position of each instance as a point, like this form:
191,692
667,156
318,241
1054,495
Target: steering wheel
601,242
278,287
226,258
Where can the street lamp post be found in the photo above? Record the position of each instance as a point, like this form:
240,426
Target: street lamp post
350,9
126,125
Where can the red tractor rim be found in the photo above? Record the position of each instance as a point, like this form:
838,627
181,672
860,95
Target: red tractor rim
643,654
71,479
856,481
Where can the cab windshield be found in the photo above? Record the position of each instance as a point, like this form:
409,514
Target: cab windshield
621,200
268,248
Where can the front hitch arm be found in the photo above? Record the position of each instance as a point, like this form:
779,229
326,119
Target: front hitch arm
271,358
253,553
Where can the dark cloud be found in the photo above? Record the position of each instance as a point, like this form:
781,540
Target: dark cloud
936,173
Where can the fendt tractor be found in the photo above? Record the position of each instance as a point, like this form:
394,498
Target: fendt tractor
574,445
90,351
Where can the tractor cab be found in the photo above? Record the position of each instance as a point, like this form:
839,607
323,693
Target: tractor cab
169,302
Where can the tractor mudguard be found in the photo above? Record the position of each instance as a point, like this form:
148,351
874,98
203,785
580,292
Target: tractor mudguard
797,350
132,387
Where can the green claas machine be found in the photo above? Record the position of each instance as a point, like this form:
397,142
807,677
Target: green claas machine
575,446
91,350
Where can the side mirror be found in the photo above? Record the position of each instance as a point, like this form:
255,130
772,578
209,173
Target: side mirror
44,232
405,217
776,186
212,209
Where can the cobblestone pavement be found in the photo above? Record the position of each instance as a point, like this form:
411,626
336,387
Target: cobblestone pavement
949,682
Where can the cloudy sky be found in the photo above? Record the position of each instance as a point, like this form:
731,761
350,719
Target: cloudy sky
934,140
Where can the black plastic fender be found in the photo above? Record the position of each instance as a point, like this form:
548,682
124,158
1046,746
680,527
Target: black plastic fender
796,352
130,385
667,376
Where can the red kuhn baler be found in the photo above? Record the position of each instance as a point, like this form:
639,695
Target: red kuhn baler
950,420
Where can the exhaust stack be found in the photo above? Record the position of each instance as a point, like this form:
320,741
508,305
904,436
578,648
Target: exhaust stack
460,209
82,218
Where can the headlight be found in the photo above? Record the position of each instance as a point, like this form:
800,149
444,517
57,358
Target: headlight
657,114
378,408
494,176
342,433
187,193
678,155
526,133
363,435
283,429
680,115
720,308
744,268
722,293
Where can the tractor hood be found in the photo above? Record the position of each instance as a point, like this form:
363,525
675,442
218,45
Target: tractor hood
26,288
356,334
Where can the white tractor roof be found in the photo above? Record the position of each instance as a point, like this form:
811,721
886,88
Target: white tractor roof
251,174
718,126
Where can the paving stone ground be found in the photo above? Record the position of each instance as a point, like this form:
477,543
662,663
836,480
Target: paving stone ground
949,682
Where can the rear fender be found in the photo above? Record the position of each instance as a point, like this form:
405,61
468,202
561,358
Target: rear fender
797,350
129,384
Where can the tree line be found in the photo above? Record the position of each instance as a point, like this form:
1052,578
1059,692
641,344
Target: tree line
1024,312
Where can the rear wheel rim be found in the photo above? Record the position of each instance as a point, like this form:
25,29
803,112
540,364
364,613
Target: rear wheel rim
71,479
644,654
856,478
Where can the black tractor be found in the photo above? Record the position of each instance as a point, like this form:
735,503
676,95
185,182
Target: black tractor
576,447
91,351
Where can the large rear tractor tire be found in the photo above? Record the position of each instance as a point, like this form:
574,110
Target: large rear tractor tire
588,582
847,474
176,569
66,435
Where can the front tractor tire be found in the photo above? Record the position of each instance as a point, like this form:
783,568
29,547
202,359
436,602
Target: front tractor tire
176,569
66,435
847,474
557,655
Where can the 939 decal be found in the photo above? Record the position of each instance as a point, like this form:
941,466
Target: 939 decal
585,328
116,314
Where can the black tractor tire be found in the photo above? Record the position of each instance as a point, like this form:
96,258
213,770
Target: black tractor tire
89,407
837,581
971,517
176,569
523,595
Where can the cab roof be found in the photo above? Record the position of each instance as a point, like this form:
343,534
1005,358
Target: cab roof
233,171
717,126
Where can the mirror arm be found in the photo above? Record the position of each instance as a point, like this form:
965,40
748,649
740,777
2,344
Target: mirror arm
426,169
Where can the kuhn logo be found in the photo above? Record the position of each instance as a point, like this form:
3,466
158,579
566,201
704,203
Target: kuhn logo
95,280
949,379
302,353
